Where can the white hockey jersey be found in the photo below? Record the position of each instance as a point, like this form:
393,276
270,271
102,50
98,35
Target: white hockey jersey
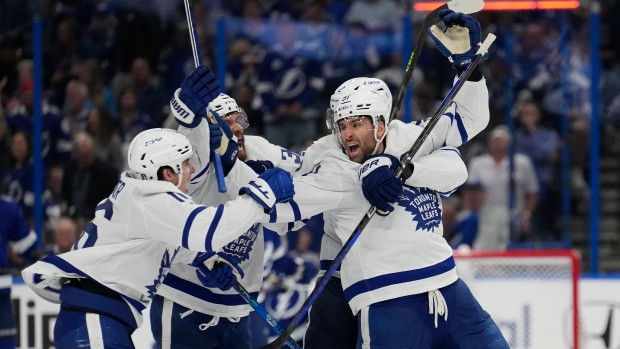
403,253
181,285
133,240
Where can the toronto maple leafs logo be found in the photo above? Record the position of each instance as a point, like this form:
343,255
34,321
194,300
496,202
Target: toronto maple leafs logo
164,267
242,246
423,205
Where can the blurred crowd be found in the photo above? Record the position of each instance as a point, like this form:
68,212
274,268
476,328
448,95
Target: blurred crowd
110,67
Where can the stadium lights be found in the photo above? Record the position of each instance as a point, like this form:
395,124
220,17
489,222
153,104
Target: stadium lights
489,5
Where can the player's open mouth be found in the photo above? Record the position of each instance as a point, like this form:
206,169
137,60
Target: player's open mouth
352,148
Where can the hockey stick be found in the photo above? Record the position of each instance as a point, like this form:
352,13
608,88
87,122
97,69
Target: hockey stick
463,6
484,47
193,38
260,310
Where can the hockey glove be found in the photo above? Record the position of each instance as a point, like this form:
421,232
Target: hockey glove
273,186
222,140
189,103
217,270
460,41
379,182
259,166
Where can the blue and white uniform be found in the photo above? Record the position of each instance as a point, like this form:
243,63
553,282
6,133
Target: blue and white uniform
182,293
125,252
14,232
403,254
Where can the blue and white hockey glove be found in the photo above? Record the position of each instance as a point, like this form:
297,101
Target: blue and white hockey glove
460,41
222,140
379,182
189,103
259,166
217,270
273,186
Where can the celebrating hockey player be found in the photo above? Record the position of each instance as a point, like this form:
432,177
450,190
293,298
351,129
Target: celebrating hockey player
193,311
125,252
399,278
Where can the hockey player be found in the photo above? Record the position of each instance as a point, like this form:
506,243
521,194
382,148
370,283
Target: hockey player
190,311
16,236
399,277
123,255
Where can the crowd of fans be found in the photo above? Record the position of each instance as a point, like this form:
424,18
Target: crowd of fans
110,67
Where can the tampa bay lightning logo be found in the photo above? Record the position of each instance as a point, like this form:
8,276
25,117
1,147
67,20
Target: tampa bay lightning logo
164,267
423,205
242,246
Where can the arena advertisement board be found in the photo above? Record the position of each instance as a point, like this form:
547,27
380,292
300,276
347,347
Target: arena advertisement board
517,308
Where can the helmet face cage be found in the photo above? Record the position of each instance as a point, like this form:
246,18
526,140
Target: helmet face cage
155,148
226,106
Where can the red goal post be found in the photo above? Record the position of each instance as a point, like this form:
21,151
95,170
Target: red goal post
532,295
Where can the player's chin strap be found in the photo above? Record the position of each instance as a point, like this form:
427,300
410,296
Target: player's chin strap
377,140
437,305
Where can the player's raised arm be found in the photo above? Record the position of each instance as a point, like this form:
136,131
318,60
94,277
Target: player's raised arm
469,113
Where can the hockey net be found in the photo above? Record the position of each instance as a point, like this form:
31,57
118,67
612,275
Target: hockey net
531,294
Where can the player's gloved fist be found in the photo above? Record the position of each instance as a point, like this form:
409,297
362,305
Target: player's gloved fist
460,41
222,140
259,166
273,186
379,182
217,270
189,103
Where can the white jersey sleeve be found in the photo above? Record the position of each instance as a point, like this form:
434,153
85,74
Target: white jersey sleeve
258,148
443,170
467,116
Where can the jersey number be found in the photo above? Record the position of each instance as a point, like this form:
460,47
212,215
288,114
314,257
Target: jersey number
90,231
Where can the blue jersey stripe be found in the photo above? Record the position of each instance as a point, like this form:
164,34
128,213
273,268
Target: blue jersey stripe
380,281
462,130
213,226
273,215
296,211
188,226
204,293
176,196
69,268
204,170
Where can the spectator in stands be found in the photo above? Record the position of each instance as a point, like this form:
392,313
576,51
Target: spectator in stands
131,120
287,90
75,109
87,179
465,229
374,15
5,135
108,143
498,216
19,117
65,52
18,182
542,146
151,98
243,95
53,205
65,234
100,95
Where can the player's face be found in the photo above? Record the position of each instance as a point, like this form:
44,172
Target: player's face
233,120
188,170
358,137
